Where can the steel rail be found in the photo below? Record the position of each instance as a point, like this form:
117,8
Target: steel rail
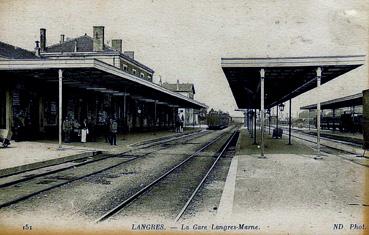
165,140
7,184
8,203
325,137
329,147
144,189
205,177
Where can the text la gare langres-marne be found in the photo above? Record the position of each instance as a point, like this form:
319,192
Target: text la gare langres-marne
223,227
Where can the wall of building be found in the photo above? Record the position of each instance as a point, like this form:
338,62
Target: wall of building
129,68
190,117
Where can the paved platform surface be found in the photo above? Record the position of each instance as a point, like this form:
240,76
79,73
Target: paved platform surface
292,193
30,152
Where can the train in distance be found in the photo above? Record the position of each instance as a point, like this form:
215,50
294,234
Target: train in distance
217,120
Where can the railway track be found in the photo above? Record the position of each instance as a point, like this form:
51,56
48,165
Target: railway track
356,160
353,144
47,178
327,137
176,176
149,143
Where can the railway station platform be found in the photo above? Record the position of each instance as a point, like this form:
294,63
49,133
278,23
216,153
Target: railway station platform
24,154
291,192
348,136
343,141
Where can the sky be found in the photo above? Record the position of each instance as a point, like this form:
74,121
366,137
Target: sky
185,40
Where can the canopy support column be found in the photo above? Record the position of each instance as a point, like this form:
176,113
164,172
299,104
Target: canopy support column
60,72
125,121
334,119
289,125
262,75
8,109
155,116
245,120
269,119
277,118
251,121
318,81
309,119
254,129
174,119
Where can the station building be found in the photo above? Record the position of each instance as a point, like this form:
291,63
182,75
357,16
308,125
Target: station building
89,80
191,116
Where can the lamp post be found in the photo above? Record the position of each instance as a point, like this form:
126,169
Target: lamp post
318,81
280,108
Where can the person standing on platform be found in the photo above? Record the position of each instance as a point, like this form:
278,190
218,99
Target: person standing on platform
76,129
113,132
181,121
91,130
107,130
84,131
177,123
67,128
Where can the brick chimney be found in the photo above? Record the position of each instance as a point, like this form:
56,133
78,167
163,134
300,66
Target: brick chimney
98,38
75,46
62,38
42,40
177,85
116,44
37,49
130,54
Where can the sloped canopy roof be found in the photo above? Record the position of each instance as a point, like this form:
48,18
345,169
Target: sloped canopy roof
285,77
347,101
93,74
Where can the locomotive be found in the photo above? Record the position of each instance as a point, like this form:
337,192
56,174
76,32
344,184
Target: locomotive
217,120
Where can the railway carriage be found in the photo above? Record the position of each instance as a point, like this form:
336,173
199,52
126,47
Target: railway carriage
347,122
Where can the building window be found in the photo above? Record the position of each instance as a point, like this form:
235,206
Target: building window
134,71
125,67
142,75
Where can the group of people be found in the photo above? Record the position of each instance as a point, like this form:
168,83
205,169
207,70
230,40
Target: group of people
72,128
179,122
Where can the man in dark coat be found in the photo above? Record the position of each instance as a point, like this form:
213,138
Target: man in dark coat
113,132
67,128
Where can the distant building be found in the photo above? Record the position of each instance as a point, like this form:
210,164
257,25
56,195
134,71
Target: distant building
188,90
